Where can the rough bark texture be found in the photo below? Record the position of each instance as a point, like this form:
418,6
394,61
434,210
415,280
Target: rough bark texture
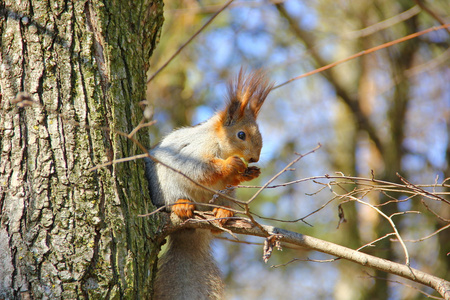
66,232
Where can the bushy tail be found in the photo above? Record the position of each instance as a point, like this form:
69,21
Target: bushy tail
187,270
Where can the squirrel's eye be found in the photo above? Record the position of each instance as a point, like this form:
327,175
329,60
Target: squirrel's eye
241,135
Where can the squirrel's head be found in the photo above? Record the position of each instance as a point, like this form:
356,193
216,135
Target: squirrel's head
236,127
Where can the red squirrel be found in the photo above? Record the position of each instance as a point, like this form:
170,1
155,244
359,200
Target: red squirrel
215,153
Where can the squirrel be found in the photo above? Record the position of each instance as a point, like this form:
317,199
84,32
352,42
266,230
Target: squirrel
215,154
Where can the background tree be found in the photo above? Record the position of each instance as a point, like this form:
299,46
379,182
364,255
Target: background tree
67,232
379,115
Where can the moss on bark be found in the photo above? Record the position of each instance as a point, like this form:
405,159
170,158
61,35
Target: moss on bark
73,233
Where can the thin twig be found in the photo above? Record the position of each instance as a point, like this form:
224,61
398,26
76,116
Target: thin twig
426,237
383,24
434,213
306,260
189,40
213,8
116,161
26,100
141,125
380,184
242,227
404,284
429,11
427,193
394,227
371,244
350,196
285,246
250,216
404,213
364,52
300,156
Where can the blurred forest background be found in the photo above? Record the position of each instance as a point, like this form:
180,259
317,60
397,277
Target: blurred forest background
383,113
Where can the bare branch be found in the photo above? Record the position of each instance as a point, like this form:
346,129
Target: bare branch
245,226
383,24
426,237
429,11
422,191
189,40
364,52
434,213
388,218
307,259
371,244
300,156
116,161
404,284
203,9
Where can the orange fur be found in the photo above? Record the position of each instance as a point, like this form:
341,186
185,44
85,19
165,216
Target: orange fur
183,208
230,171
218,128
222,213
246,95
216,154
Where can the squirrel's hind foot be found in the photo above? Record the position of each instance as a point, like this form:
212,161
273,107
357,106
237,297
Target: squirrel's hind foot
222,215
183,208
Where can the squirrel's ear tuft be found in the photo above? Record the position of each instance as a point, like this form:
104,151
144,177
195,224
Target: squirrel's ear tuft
246,95
261,87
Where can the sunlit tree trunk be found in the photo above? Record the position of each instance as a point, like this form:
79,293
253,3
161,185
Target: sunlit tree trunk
67,232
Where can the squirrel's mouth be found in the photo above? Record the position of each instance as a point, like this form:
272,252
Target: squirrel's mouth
244,161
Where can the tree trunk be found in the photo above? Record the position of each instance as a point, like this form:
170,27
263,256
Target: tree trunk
67,232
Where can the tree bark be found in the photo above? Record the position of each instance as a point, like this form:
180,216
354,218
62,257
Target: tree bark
67,232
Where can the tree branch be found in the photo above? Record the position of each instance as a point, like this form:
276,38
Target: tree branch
351,102
205,220
189,40
429,11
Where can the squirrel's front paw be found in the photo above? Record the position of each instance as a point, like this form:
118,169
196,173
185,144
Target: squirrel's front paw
251,173
237,164
183,208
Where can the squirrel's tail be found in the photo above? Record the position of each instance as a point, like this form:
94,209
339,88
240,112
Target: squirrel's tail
187,270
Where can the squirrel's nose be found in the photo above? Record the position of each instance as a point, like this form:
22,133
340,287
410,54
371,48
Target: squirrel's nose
252,160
